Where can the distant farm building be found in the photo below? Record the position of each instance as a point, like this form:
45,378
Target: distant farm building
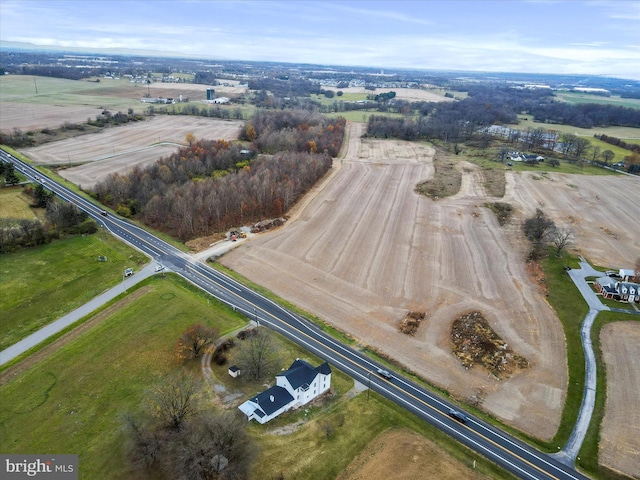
157,100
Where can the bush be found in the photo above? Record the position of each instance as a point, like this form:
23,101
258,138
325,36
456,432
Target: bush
219,357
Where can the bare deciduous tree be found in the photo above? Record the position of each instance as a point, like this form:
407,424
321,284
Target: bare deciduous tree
174,399
212,447
257,355
561,238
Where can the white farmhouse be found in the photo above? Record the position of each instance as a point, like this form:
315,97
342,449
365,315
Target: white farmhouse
295,387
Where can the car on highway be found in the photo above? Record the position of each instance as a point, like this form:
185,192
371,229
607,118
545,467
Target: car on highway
385,374
459,416
103,213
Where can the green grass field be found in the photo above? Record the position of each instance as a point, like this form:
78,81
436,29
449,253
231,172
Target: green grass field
624,133
619,153
15,204
582,97
74,400
41,284
571,308
110,94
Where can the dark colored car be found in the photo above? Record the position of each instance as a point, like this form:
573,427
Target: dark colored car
459,416
385,374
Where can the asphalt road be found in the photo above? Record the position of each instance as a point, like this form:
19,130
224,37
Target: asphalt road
513,455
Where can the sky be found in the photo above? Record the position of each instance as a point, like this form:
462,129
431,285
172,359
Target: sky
595,37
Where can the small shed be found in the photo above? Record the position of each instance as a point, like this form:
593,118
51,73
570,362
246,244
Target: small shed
234,371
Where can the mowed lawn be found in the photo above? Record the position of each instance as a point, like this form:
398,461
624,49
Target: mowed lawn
73,401
39,285
15,204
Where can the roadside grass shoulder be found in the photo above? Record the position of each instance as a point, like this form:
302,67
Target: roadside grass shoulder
334,332
382,358
74,400
43,283
571,309
352,425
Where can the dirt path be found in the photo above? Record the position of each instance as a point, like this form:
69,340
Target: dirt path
365,249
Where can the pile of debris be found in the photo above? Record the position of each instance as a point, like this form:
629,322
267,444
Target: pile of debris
475,342
268,224
410,323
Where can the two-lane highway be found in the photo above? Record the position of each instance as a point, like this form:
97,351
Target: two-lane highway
513,455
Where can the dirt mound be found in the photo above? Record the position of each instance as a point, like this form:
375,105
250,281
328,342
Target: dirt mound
411,322
268,224
475,342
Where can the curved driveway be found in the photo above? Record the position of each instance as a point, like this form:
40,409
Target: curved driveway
570,451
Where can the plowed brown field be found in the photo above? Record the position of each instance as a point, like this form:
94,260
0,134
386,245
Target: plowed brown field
404,455
620,436
602,211
118,149
365,249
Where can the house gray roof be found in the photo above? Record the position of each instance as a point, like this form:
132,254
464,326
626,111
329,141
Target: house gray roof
324,369
606,281
299,373
272,399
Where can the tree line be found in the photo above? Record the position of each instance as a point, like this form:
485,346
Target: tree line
211,186
586,115
20,139
618,142
60,219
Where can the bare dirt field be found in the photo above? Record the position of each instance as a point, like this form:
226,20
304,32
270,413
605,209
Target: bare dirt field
25,116
117,149
409,94
603,212
403,455
57,101
193,91
366,249
620,434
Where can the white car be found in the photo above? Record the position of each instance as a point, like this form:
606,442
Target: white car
159,268
128,272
